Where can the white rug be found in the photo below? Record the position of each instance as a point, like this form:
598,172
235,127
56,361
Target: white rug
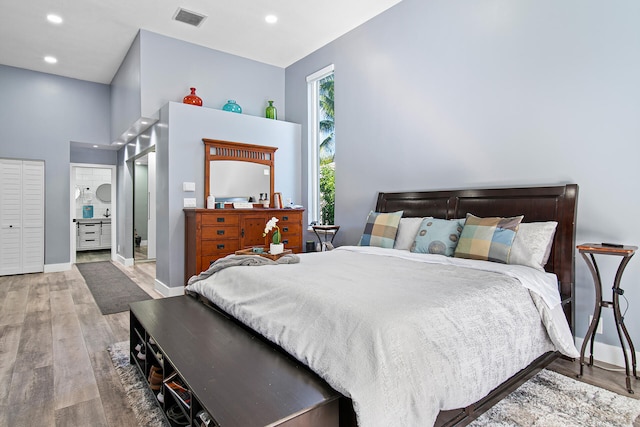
548,399
139,396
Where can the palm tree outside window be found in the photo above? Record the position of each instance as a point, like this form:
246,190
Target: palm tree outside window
322,147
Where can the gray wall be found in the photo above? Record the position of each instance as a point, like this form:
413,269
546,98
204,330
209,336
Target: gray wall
159,69
125,92
169,67
39,115
451,94
93,156
180,157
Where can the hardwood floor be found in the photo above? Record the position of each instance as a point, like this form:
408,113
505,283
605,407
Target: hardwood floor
55,368
54,365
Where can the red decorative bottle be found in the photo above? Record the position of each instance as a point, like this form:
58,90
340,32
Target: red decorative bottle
193,99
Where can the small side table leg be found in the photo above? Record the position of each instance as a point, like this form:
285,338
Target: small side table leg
620,327
597,311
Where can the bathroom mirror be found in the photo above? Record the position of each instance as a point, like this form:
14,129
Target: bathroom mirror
237,170
103,192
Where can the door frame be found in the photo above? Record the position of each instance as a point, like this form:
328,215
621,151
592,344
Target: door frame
72,206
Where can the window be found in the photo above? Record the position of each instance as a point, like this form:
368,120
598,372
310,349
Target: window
322,146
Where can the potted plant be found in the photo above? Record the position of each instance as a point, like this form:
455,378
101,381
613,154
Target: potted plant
276,247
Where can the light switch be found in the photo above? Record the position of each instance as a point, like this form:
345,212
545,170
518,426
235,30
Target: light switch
189,202
188,186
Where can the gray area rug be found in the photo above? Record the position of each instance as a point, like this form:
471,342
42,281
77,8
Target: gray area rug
548,399
140,398
110,287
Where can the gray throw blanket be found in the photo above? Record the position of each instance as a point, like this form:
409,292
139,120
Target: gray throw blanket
237,260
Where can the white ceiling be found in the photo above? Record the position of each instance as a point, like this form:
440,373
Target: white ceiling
95,35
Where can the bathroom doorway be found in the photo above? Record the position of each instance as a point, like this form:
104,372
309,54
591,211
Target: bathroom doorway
93,205
144,207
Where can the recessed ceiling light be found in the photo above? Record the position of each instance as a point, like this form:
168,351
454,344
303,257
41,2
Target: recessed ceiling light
119,143
50,59
143,122
271,19
95,146
54,19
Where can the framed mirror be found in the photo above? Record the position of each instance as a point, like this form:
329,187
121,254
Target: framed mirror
237,171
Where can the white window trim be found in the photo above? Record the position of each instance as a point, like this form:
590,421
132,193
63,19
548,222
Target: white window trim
313,189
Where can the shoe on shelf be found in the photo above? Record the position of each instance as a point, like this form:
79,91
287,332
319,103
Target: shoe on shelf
141,354
138,347
151,341
160,397
155,379
176,416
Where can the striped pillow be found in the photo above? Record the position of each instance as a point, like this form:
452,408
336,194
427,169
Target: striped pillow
488,239
380,229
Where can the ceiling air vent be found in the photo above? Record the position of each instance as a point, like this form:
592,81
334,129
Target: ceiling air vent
189,17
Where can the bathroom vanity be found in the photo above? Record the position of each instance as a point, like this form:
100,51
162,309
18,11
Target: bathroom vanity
93,233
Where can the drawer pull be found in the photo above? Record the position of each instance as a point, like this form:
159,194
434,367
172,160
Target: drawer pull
220,219
221,246
285,218
285,229
89,225
89,240
285,241
220,232
90,232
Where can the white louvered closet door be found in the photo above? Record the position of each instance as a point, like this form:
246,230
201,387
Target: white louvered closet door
21,216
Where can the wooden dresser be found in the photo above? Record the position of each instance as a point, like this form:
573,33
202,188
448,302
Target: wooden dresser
214,233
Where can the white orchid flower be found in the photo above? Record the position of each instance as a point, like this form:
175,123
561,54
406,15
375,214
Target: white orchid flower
271,224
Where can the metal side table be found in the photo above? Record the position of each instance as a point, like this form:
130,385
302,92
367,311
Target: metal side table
327,230
588,252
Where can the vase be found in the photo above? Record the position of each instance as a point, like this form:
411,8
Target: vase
232,106
192,98
271,112
276,248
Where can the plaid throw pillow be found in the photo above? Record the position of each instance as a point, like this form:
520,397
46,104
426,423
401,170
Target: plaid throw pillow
488,239
380,229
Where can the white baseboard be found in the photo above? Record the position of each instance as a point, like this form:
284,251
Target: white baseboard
607,353
55,268
167,291
127,262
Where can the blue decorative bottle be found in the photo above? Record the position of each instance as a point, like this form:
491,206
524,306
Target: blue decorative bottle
232,106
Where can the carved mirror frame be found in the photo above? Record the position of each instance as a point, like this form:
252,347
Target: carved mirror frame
215,149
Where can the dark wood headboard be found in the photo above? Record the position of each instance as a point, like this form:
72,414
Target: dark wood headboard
556,203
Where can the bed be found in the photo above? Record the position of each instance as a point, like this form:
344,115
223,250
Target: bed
403,349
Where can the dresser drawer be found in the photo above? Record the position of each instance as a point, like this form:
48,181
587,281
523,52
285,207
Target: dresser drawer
289,218
89,234
217,247
219,232
219,219
88,227
89,242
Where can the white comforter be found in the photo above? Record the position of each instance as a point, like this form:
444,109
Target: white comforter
403,335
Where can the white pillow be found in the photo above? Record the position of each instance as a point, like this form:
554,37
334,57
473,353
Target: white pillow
532,244
407,230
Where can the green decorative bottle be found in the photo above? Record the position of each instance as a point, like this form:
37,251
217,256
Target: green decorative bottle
271,112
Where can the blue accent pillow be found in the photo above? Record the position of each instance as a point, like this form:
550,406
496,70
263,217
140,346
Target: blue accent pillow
438,236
